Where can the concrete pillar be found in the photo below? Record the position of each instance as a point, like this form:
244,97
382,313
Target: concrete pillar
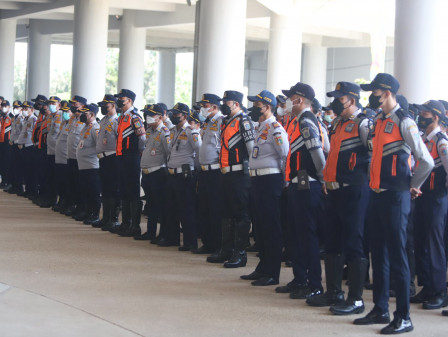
285,52
38,68
222,39
89,49
7,42
132,56
314,70
166,77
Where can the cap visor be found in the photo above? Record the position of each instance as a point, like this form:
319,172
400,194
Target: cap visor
287,93
254,98
335,94
367,87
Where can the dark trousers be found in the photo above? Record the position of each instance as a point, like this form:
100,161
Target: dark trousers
154,185
429,230
388,212
4,161
265,197
129,168
91,190
28,155
60,178
49,188
37,166
44,188
16,167
109,175
182,207
72,183
346,207
209,208
303,242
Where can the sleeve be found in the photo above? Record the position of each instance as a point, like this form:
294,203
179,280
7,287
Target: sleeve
364,129
310,134
442,149
247,130
326,141
165,140
281,142
139,129
195,140
411,136
317,155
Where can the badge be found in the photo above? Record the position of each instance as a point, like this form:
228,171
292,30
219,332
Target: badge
246,125
255,152
153,152
429,146
389,127
126,119
306,132
104,141
81,144
349,127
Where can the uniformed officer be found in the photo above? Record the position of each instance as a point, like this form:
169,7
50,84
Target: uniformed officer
328,117
267,164
166,120
393,137
237,141
88,164
304,167
16,169
280,109
430,212
153,164
106,151
130,144
346,184
5,133
181,186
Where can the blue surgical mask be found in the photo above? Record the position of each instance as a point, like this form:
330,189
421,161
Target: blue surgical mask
52,108
65,116
201,118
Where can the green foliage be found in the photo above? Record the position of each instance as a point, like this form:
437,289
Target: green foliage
60,83
150,77
112,56
184,78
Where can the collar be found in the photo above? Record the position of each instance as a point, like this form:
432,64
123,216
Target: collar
392,113
301,113
158,127
270,120
129,110
433,133
216,116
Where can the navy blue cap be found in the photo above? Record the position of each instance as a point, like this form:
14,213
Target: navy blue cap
445,103
210,98
16,104
287,93
181,108
194,116
27,104
2,98
328,107
153,109
382,81
315,104
126,93
107,99
65,106
281,99
5,103
163,105
78,99
301,89
433,106
265,96
54,99
92,107
40,99
344,89
404,104
232,95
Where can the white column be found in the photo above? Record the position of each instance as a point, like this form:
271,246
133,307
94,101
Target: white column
7,42
166,77
38,69
285,52
314,70
89,49
222,39
132,56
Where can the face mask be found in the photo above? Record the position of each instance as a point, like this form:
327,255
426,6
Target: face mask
36,113
289,105
280,111
225,109
201,118
104,110
73,109
374,101
16,111
255,113
5,109
423,123
52,108
175,120
337,106
24,113
150,120
205,112
65,116
328,118
120,103
83,118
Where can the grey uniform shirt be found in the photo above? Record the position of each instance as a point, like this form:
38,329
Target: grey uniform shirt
86,151
107,136
16,128
61,143
442,150
211,141
271,146
27,130
54,127
156,147
184,145
73,136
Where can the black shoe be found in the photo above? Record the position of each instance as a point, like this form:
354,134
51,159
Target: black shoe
143,237
373,317
80,216
129,231
238,259
289,288
96,222
436,302
327,299
398,325
155,240
111,227
220,257
186,248
348,308
306,293
203,250
421,297
165,243
88,219
265,281
252,276
444,312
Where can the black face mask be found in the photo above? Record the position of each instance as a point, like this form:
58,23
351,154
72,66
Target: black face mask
225,109
83,118
374,101
337,106
175,120
255,113
423,123
104,110
73,109
120,103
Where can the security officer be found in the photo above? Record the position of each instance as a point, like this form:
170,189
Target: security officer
346,184
106,151
16,169
153,164
166,120
26,147
130,144
237,142
209,176
5,133
430,212
280,110
267,164
181,187
328,116
304,167
88,164
393,137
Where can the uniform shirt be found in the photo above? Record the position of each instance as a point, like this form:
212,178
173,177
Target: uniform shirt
156,147
73,136
25,137
16,128
271,146
131,133
86,151
54,128
184,145
211,140
437,144
107,136
61,143
5,129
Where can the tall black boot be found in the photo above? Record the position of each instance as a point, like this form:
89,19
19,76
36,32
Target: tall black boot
334,265
226,243
107,212
135,213
239,256
115,209
125,217
356,277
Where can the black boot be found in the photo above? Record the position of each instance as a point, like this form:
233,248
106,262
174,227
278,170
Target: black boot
356,277
239,256
125,217
107,212
114,211
227,242
334,295
136,213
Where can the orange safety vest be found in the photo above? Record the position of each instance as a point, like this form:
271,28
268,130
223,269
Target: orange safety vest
43,134
5,129
36,131
233,146
436,181
130,128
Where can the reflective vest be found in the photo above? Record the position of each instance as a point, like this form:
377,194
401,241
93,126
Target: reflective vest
348,159
43,133
390,166
5,129
129,131
436,181
233,146
36,131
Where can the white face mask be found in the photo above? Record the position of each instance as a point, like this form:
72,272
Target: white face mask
150,120
24,113
15,111
288,105
205,112
281,112
5,109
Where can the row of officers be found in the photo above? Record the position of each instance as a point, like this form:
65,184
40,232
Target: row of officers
217,172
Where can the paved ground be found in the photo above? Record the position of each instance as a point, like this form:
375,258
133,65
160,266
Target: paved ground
61,278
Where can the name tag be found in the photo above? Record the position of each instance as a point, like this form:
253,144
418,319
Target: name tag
349,127
255,152
81,144
389,127
104,141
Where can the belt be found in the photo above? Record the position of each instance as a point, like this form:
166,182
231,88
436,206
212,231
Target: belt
378,190
295,180
105,154
148,170
178,170
233,168
209,167
331,186
263,171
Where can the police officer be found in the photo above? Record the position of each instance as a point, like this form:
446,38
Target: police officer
5,133
345,176
130,144
153,164
106,151
16,169
184,146
88,164
267,163
237,141
430,212
393,137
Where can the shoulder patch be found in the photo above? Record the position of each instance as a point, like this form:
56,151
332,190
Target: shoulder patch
306,132
137,123
276,125
247,125
443,149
